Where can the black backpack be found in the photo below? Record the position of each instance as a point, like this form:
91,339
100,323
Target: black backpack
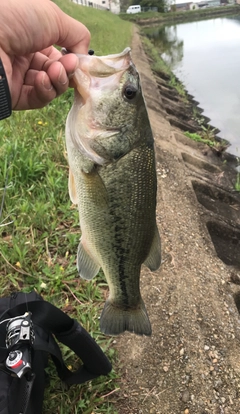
24,395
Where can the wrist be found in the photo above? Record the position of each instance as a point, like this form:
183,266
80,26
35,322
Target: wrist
5,96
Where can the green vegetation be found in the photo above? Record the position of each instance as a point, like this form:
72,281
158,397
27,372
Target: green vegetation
160,40
207,136
142,16
109,33
178,86
199,138
180,16
158,64
237,184
40,228
160,67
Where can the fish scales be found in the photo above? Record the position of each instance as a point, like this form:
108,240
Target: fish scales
117,204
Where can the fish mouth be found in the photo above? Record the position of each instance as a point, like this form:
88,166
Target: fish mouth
104,66
93,69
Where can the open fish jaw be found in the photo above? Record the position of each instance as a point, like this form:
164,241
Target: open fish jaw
92,69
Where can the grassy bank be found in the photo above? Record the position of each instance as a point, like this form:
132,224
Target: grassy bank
39,226
180,16
109,34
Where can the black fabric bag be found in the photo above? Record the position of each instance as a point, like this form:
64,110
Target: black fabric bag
25,395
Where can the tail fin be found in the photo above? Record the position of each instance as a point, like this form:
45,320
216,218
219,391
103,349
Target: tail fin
116,320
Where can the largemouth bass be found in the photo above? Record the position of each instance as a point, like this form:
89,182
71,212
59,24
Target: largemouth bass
113,180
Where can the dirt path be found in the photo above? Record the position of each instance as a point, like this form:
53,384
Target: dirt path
191,364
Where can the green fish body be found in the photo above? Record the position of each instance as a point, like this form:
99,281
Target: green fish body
113,180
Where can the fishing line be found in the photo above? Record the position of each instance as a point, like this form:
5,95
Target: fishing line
26,301
1,210
12,319
5,188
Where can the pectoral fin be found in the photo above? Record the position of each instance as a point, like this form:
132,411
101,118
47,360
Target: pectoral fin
72,188
153,260
86,266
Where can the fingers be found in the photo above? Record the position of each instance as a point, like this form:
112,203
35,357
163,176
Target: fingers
70,63
41,87
37,95
58,77
43,61
43,90
44,80
35,78
73,35
39,24
52,53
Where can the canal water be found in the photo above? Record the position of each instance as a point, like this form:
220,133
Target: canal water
205,56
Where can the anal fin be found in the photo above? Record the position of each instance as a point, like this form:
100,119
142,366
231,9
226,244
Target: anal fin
86,266
153,260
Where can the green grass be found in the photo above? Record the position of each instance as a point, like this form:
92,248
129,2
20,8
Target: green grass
109,33
181,16
40,228
198,138
141,16
237,183
178,86
207,136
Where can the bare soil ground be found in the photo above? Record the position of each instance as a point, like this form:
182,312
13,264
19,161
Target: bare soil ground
191,363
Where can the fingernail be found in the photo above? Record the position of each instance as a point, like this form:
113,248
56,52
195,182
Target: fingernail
62,78
46,82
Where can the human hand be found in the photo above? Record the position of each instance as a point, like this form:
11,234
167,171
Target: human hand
36,71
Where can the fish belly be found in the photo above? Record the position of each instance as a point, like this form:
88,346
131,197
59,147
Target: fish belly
117,205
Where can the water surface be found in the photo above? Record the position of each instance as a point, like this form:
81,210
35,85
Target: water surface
205,56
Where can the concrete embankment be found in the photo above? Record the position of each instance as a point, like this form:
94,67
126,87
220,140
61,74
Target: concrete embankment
191,363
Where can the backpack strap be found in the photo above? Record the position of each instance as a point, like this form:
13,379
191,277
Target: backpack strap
70,333
95,361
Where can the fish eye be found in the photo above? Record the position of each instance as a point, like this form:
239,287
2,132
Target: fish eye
129,92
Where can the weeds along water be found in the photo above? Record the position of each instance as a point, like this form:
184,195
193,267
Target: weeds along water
40,228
